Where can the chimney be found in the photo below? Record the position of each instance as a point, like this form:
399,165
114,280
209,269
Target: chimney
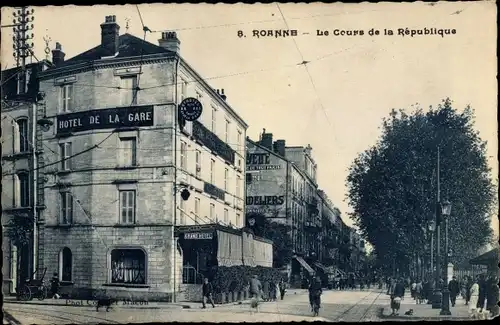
267,140
109,36
279,147
58,55
169,41
222,95
308,150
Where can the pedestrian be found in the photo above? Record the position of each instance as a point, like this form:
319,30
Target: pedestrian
419,291
255,290
265,290
473,298
207,291
492,296
54,286
397,295
272,290
454,289
282,288
468,286
412,290
482,293
315,291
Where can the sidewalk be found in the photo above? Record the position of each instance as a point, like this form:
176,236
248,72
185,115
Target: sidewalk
425,311
122,304
119,304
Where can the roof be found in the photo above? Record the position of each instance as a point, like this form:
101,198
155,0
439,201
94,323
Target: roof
130,46
9,80
490,257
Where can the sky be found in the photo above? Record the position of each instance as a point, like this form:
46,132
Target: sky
337,100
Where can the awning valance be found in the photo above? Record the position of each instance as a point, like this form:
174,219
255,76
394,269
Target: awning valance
488,258
304,264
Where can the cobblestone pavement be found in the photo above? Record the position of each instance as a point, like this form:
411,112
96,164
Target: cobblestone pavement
336,306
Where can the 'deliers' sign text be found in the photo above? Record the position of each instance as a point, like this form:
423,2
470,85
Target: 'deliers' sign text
106,119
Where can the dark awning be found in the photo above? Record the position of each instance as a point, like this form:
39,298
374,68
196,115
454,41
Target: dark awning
488,258
304,264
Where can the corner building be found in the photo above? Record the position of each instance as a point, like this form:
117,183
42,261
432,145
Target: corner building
116,162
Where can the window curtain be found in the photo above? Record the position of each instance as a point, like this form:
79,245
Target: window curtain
229,251
248,249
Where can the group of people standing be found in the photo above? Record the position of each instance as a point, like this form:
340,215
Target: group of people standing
481,293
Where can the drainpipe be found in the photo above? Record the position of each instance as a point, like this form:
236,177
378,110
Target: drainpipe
176,122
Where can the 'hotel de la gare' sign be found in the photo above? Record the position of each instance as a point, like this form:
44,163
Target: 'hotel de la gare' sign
130,116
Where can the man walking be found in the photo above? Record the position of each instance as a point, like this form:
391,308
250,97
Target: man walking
207,293
454,289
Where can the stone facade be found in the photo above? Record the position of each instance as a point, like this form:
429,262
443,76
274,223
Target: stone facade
116,232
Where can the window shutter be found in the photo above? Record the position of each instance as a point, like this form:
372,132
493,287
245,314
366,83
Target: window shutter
15,137
17,191
8,191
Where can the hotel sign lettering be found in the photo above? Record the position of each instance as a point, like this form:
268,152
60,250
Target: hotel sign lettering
214,191
199,235
212,142
260,161
130,116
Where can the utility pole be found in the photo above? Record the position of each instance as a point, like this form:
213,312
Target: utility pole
23,45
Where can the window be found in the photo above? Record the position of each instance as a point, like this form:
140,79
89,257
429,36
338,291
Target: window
182,206
212,167
238,186
197,209
183,155
214,120
66,208
23,135
127,206
199,96
184,86
128,266
66,98
226,216
238,220
65,153
212,212
198,163
65,265
128,90
238,140
24,189
128,151
226,176
226,132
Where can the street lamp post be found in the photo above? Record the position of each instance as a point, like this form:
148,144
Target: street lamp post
432,228
446,211
437,294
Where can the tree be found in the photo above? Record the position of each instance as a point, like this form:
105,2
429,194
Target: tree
19,230
392,186
277,232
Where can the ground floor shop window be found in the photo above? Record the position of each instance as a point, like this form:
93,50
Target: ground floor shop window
128,266
66,264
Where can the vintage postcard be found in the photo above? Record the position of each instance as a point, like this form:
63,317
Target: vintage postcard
249,162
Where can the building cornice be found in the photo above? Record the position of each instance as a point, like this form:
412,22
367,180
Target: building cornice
105,64
212,92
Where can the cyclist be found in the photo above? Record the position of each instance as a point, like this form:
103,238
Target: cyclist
315,292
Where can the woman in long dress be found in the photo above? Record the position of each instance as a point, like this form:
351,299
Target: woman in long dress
474,297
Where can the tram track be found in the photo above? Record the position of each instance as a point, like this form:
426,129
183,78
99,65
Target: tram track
71,318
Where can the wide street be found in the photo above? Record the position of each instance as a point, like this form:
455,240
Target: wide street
336,306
